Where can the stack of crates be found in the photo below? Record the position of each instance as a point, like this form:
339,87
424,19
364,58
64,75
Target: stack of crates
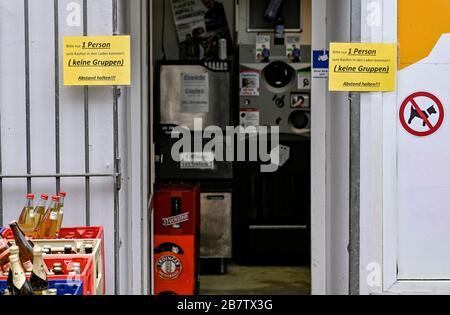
176,243
91,280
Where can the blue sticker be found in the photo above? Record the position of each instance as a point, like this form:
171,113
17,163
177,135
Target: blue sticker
321,63
321,59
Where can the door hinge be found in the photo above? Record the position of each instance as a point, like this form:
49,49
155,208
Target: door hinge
118,177
117,92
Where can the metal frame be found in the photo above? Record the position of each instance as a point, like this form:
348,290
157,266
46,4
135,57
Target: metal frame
29,176
355,160
319,88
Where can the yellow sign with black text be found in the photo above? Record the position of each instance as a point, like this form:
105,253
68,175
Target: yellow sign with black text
360,67
97,60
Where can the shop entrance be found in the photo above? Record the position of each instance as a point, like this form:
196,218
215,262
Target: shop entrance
279,221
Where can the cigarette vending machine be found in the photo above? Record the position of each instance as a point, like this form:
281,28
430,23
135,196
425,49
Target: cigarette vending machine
176,242
198,95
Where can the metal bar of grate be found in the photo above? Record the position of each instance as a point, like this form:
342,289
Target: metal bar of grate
1,170
86,128
57,113
27,92
17,176
116,95
355,170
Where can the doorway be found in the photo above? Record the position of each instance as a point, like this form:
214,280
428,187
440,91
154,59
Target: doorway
327,200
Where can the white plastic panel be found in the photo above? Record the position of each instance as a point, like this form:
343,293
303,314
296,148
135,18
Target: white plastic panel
423,173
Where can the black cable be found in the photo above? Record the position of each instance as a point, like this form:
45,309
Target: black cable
163,48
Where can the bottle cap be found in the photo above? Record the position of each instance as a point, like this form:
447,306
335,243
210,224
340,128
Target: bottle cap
52,292
63,194
13,258
44,197
37,250
56,198
30,196
14,250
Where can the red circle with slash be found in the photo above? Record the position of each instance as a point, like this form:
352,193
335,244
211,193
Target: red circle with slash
421,114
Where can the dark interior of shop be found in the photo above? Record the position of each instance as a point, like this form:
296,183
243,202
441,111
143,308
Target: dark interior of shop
252,67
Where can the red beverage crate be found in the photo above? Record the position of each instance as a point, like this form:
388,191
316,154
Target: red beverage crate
175,272
94,232
8,234
188,220
78,233
67,261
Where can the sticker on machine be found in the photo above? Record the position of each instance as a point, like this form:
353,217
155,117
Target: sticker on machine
181,218
169,267
249,117
422,114
249,83
197,161
321,63
194,93
304,79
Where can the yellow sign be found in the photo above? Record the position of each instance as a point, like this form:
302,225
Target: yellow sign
97,60
363,67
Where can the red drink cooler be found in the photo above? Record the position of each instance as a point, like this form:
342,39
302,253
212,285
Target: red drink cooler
175,265
177,209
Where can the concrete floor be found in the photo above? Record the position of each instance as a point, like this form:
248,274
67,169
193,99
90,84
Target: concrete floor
258,281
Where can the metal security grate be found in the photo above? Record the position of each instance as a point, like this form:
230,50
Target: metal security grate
30,176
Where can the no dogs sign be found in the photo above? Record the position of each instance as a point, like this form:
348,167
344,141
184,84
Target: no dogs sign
422,114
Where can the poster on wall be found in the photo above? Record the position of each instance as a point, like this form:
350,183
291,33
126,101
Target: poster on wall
363,67
204,23
194,93
97,60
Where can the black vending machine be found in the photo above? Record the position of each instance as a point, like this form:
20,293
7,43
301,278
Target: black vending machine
197,95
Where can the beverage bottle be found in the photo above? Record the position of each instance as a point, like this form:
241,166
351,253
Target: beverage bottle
39,211
62,196
279,30
38,279
169,248
13,251
272,9
25,246
176,210
20,284
4,253
49,223
26,219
